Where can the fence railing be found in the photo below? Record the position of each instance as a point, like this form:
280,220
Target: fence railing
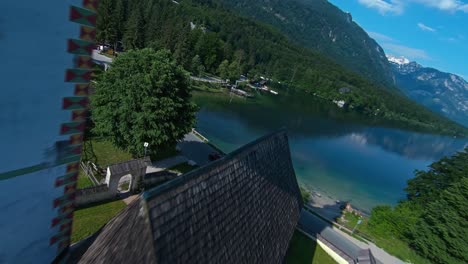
358,234
199,135
89,170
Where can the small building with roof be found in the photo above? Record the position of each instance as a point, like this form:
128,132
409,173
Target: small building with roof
241,208
133,170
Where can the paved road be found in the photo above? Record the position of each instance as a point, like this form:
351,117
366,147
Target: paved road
381,255
165,163
193,148
101,59
313,225
207,79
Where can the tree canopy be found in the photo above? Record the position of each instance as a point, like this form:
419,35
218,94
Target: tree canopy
143,97
206,37
433,219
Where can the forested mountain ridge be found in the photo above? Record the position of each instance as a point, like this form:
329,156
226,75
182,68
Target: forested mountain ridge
206,37
319,25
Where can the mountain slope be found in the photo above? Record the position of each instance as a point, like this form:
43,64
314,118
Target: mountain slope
321,26
444,93
204,36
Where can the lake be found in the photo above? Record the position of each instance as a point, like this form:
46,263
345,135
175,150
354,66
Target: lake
334,152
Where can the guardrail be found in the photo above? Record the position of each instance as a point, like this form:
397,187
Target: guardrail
199,135
357,234
88,170
335,249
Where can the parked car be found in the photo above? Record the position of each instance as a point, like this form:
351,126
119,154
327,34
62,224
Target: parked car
214,156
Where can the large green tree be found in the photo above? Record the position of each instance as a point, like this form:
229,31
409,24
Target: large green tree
214,33
441,234
427,185
143,97
433,219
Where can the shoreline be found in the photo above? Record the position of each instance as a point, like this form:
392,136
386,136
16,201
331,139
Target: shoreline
319,199
326,204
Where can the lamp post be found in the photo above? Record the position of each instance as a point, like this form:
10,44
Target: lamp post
146,144
358,223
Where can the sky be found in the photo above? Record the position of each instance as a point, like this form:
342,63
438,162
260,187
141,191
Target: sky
432,32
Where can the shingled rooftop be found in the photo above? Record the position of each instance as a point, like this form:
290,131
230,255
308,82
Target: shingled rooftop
242,208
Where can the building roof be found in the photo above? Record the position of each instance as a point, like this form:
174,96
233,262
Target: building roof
128,166
241,208
130,229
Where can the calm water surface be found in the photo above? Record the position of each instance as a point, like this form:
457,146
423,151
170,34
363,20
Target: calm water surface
332,153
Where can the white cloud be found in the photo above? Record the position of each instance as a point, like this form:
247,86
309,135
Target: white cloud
393,46
464,8
380,37
384,6
446,5
408,52
425,28
398,6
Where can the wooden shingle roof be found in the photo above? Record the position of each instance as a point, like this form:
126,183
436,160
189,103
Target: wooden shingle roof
242,208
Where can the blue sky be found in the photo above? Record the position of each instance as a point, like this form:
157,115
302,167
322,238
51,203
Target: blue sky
431,32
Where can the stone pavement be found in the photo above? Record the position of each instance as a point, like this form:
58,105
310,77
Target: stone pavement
166,163
195,149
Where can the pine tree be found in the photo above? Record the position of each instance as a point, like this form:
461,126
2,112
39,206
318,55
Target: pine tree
197,66
223,69
133,37
106,24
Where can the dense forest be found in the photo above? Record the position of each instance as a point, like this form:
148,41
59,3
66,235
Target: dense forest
321,26
433,218
205,37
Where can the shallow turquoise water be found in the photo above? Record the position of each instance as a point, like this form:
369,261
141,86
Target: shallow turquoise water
364,164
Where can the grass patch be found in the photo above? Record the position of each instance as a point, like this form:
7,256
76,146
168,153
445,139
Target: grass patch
83,180
206,87
124,186
88,220
303,250
183,167
305,194
391,245
107,153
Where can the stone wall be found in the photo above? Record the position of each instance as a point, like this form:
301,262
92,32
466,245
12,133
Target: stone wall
156,178
93,194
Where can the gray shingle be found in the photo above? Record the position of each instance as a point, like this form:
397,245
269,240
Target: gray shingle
242,208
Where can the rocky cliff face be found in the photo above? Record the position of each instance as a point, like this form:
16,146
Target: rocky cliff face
321,26
442,92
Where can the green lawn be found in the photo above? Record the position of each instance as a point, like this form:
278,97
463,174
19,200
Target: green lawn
107,153
83,180
88,220
303,250
392,245
183,168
